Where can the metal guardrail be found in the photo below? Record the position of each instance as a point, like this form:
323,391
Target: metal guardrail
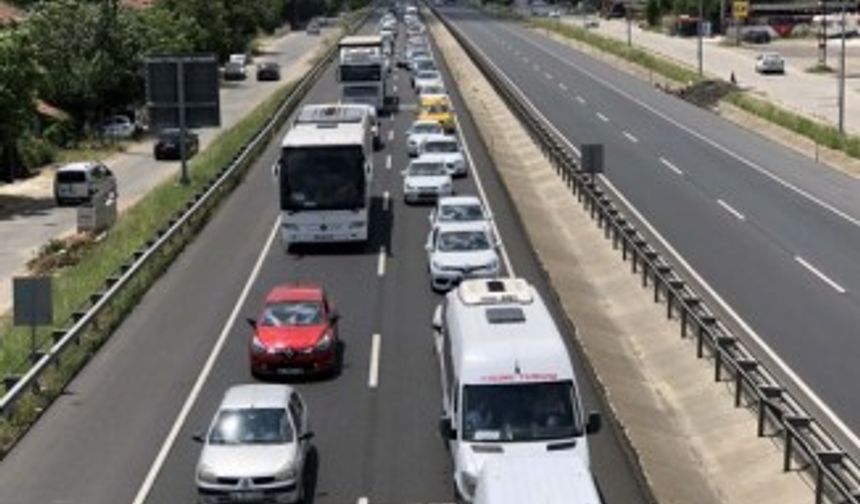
806,442
86,317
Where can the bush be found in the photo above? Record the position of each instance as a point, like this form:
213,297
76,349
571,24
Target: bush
36,152
61,134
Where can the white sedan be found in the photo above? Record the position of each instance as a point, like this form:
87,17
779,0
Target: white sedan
770,63
446,149
458,209
426,181
461,250
418,132
426,78
256,447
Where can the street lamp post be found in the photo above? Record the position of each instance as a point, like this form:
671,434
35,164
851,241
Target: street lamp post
842,74
699,29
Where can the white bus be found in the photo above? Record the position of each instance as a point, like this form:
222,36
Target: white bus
324,174
361,70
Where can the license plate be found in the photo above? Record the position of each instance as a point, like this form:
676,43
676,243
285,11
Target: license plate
323,237
290,371
247,496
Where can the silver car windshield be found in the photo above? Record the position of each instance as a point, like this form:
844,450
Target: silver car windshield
427,128
301,313
461,213
427,170
443,147
427,75
251,426
462,241
520,412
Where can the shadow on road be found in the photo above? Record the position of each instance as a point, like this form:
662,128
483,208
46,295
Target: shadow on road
12,206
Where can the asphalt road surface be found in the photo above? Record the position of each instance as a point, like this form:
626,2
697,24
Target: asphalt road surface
774,235
98,443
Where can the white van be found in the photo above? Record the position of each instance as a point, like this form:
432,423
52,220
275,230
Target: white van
508,387
547,480
77,183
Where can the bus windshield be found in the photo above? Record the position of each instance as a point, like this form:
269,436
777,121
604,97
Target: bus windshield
360,73
524,412
323,178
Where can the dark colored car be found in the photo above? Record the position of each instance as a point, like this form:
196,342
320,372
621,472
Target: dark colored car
295,333
168,144
268,71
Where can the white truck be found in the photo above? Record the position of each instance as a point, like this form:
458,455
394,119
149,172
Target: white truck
361,71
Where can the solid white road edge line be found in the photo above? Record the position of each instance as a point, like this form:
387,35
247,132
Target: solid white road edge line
380,265
716,145
155,468
844,430
821,276
730,209
373,373
668,164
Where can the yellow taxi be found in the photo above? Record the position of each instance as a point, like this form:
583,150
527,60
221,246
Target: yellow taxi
436,108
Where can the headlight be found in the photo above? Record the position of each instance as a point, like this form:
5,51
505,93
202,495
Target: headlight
206,475
324,343
470,481
435,265
257,346
286,474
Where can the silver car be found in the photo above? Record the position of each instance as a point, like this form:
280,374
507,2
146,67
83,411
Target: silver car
256,447
452,209
420,130
426,181
769,63
446,149
461,250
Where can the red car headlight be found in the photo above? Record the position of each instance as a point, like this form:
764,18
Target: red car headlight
257,346
324,343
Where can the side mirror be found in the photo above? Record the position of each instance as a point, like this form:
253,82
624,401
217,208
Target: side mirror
447,432
276,170
198,437
437,319
334,316
428,247
595,422
252,323
307,436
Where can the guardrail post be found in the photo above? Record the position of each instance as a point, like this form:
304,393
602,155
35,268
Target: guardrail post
610,229
675,286
746,366
766,393
662,272
795,423
650,257
825,458
688,305
724,342
9,381
705,324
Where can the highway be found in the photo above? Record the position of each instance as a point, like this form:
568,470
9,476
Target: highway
122,432
773,235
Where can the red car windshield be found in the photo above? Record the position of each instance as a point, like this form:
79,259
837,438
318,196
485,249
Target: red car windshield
292,313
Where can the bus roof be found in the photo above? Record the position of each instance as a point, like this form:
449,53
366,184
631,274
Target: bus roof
332,114
502,332
360,41
325,135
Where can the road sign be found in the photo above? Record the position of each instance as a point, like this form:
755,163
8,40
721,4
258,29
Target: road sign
592,158
31,301
740,9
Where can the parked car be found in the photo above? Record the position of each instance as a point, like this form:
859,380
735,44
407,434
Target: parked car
769,63
233,70
241,58
461,250
120,127
256,447
313,28
77,183
268,71
295,333
756,36
426,181
168,144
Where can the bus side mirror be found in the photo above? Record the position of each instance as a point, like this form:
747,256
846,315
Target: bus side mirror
437,319
594,423
447,432
276,170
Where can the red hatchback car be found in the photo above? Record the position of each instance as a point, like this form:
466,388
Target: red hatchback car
296,333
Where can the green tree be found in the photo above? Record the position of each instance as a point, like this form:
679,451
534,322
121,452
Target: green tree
652,12
18,76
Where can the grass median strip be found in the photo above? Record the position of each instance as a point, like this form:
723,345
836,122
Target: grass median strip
73,285
817,131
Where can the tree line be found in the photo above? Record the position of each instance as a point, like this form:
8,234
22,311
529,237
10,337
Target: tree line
85,57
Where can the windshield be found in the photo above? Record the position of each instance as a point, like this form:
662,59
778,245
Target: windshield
323,178
360,91
251,426
358,73
292,313
71,176
520,412
429,90
425,65
427,128
436,109
462,241
441,147
461,213
427,169
428,75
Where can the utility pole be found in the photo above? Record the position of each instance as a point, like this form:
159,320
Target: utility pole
842,74
699,29
629,26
